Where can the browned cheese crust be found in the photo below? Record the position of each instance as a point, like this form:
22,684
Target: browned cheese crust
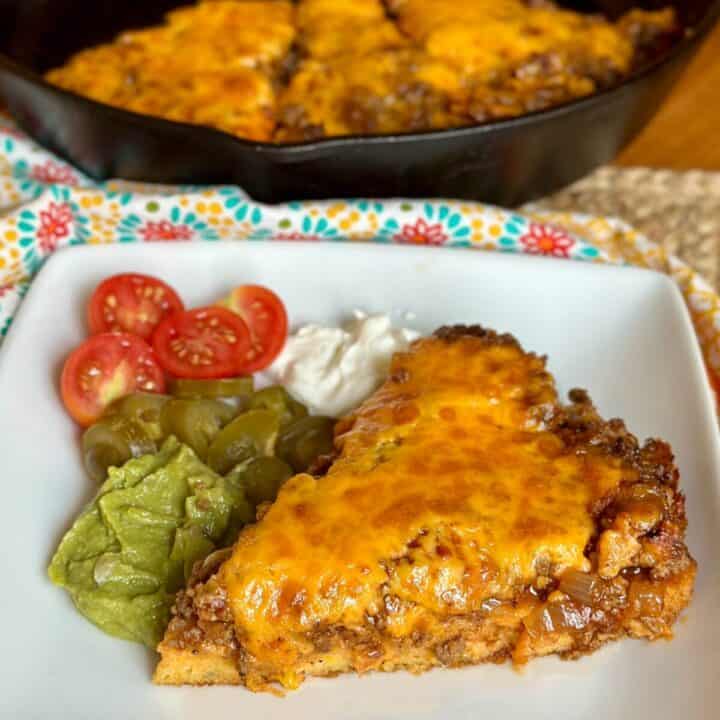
279,71
465,441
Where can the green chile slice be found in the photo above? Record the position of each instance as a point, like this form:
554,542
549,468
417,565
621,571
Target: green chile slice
195,422
249,435
277,399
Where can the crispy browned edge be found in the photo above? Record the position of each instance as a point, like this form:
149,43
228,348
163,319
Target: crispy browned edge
201,647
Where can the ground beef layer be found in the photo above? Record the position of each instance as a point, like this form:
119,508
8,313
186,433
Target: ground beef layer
592,526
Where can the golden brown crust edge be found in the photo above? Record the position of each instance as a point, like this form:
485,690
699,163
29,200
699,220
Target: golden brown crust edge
642,523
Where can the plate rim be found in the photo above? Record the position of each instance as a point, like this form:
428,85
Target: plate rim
653,278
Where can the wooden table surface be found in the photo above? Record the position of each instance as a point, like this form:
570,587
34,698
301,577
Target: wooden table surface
686,132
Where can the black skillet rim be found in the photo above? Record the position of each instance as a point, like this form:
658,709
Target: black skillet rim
309,148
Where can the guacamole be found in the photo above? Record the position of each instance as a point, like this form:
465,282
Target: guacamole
134,545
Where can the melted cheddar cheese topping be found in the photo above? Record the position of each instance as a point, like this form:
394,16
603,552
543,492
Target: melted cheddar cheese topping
274,70
448,492
209,64
485,35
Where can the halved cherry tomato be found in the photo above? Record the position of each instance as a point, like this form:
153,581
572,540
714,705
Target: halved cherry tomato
264,313
104,368
131,303
208,342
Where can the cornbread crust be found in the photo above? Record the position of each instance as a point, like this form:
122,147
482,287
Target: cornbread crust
435,537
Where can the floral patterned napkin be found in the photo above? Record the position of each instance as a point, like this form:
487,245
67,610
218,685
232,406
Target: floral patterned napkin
46,204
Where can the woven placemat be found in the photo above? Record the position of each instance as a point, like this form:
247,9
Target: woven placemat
678,210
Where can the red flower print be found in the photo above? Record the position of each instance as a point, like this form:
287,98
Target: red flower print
421,233
54,225
4,290
9,129
165,230
547,240
296,236
53,173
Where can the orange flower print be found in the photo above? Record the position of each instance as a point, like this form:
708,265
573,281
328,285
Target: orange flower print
422,233
547,240
54,225
165,230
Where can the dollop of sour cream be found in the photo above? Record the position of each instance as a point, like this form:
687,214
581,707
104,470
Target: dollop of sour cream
333,369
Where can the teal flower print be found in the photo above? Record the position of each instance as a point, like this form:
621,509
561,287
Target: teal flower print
235,200
387,231
513,230
368,206
453,223
320,228
178,226
28,186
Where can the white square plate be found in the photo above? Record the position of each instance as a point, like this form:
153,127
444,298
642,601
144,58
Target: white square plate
622,333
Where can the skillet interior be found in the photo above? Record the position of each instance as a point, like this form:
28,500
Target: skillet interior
41,34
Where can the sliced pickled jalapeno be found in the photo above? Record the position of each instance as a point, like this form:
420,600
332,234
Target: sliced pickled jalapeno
249,435
195,422
223,388
304,440
112,441
145,408
262,478
277,399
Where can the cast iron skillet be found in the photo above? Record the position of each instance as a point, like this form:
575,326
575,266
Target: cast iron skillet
506,162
